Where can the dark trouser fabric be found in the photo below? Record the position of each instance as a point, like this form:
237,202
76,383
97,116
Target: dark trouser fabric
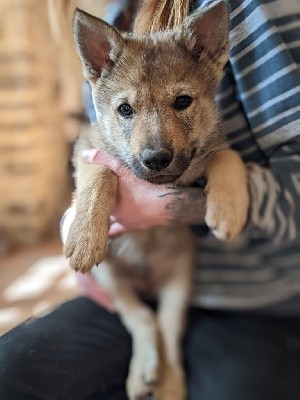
80,351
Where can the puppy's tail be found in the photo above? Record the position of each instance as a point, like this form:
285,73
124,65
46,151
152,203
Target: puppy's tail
159,15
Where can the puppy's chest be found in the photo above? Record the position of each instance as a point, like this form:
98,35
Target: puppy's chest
154,248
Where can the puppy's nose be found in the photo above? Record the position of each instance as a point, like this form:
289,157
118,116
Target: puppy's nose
156,160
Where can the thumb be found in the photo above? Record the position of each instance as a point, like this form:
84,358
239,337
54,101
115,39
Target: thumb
116,229
101,157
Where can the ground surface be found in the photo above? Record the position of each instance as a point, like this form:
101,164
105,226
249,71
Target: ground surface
33,280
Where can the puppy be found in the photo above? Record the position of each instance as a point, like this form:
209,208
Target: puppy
153,92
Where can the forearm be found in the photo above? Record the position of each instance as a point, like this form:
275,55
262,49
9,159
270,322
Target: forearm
184,206
159,206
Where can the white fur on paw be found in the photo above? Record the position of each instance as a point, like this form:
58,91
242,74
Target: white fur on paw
143,372
217,222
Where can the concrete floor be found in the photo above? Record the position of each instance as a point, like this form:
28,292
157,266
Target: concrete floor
33,280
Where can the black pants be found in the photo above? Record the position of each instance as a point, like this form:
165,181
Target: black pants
80,351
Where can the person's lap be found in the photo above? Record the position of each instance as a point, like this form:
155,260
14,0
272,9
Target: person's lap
82,352
71,353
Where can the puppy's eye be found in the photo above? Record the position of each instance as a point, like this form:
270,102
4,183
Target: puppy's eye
126,110
182,102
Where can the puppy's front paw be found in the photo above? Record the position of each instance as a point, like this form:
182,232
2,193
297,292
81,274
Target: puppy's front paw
86,244
227,210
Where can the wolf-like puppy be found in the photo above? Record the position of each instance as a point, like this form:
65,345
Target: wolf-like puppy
154,98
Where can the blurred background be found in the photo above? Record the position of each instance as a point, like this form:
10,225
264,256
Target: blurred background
41,113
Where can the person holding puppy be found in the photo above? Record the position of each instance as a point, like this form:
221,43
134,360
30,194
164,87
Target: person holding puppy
243,334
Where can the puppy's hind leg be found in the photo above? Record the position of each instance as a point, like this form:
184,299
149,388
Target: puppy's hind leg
141,323
173,305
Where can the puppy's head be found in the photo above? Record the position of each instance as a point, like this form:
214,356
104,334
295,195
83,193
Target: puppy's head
154,93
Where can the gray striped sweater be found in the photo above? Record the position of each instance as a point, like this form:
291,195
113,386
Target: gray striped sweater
259,100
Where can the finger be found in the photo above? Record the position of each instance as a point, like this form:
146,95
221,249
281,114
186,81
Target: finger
66,223
116,229
97,156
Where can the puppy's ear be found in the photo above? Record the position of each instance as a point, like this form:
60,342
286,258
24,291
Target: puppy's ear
208,31
98,44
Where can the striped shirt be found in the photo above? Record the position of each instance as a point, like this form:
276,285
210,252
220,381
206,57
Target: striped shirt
259,100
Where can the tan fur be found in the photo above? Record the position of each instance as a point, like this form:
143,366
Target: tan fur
226,189
148,71
95,200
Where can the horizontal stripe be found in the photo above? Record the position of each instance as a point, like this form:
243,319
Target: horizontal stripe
227,111
293,157
242,277
268,56
271,92
223,95
283,72
240,138
235,123
248,151
249,10
220,297
244,262
280,127
262,34
279,117
239,9
238,33
281,97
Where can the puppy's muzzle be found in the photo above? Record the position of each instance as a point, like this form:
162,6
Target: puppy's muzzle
160,165
156,160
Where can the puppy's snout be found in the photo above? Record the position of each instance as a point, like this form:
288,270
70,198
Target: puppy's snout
156,160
